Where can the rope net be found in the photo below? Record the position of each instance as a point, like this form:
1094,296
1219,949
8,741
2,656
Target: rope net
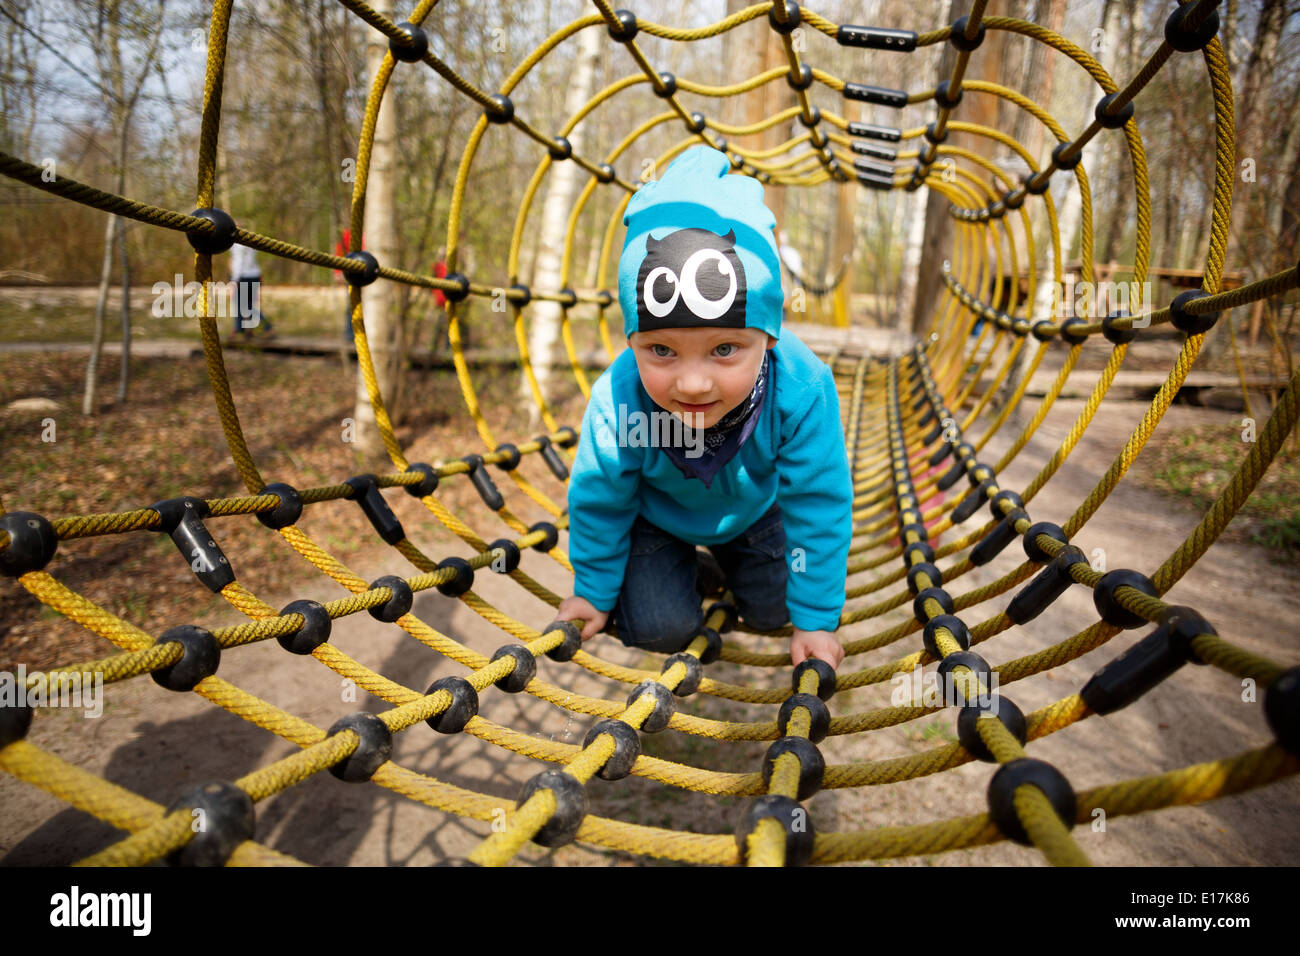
908,444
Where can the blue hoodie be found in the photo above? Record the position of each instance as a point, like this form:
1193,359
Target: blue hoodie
794,457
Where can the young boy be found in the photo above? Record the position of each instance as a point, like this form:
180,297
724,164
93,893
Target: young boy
709,430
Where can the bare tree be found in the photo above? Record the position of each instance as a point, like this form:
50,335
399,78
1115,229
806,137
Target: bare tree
377,299
546,316
111,19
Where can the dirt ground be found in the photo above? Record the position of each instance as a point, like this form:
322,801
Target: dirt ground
158,743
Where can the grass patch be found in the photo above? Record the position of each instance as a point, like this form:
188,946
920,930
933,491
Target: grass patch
1196,463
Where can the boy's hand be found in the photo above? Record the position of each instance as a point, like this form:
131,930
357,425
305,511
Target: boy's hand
822,644
580,609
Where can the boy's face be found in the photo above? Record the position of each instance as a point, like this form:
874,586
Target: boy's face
699,374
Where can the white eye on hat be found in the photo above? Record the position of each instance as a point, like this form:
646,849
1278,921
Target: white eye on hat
688,290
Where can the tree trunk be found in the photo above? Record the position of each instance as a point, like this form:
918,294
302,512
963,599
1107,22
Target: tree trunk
380,232
938,224
97,334
544,334
910,314
124,258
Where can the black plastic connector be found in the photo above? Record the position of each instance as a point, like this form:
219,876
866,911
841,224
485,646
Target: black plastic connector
971,503
571,644
570,807
1282,709
730,615
665,705
505,555
999,707
414,51
825,676
876,38
1069,335
501,110
222,236
694,673
1146,663
993,543
552,458
820,723
1184,39
512,458
1050,584
943,99
932,593
227,818
483,484
879,95
1037,773
15,721
1185,321
1108,606
1114,335
426,485
712,645
182,519
1118,119
888,134
462,709
525,667
32,543
794,819
368,275
793,17
812,765
374,750
201,658
921,548
315,629
954,625
927,568
460,291
365,492
1032,550
287,512
627,747
397,604
560,149
958,36
463,580
1059,160
626,30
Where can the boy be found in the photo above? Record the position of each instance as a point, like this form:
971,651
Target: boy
709,430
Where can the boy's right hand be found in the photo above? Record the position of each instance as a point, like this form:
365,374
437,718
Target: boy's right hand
580,609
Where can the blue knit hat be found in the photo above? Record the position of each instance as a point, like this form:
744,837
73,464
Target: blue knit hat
700,251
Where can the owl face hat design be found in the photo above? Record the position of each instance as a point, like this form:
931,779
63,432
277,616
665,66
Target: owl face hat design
700,251
690,278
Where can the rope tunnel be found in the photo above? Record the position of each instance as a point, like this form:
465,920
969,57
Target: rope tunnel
918,428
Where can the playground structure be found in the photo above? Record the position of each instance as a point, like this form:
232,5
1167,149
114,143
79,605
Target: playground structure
910,423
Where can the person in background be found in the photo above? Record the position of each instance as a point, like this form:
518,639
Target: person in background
247,275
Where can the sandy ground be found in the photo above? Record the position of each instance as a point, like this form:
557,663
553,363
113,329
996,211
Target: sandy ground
158,743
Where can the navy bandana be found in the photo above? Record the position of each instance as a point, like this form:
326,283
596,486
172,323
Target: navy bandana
723,440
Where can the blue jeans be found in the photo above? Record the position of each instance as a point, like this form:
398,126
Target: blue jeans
659,608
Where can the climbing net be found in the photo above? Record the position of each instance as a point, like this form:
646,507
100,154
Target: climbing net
908,442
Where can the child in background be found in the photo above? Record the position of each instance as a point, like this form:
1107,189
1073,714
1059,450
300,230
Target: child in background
755,467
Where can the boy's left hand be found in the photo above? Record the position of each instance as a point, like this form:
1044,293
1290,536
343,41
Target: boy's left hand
821,644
